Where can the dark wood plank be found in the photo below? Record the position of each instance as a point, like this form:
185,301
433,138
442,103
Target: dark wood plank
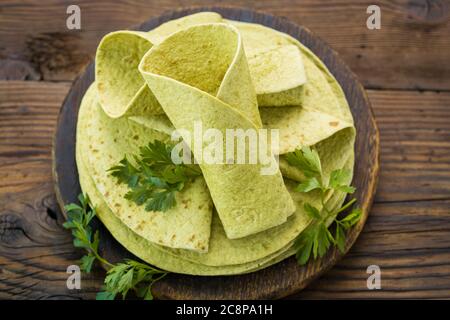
415,144
35,250
28,113
35,34
408,240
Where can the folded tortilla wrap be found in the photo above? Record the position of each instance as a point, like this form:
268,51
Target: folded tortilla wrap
204,70
122,89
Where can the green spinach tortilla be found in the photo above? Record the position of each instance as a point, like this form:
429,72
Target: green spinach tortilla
229,75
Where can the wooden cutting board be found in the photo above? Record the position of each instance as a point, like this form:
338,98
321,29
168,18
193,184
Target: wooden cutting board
281,279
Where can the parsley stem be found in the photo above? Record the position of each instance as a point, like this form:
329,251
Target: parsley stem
323,193
346,206
160,277
101,259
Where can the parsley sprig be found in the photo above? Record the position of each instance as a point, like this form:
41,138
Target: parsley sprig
121,277
317,238
79,217
154,179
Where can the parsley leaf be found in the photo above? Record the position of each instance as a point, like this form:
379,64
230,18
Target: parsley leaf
78,219
105,295
157,153
86,262
161,201
307,160
304,246
154,179
312,211
317,238
308,185
125,172
339,237
122,277
338,178
351,219
130,275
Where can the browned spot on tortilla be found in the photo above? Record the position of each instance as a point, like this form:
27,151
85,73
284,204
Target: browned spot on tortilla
135,137
200,206
192,238
334,123
117,205
115,139
106,193
186,203
94,150
173,237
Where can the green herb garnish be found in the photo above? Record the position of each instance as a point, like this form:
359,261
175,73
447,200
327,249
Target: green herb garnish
154,180
317,238
78,220
121,277
130,275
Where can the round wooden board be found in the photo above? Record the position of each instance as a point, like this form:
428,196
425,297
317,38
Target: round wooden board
279,280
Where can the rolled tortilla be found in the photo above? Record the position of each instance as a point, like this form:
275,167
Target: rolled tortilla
121,89
277,72
204,70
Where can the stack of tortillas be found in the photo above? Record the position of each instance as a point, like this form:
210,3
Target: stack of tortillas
227,75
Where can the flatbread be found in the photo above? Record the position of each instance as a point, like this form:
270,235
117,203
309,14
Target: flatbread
244,76
218,94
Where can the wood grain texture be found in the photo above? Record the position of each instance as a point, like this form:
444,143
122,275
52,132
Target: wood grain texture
415,142
409,240
35,250
407,233
35,35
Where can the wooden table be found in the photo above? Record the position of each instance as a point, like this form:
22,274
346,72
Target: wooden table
405,67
